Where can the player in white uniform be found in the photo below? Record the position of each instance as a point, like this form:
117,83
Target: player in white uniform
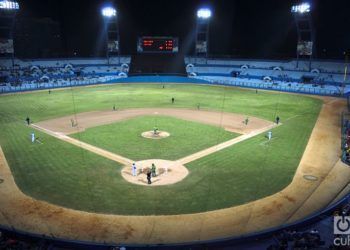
269,135
134,169
33,137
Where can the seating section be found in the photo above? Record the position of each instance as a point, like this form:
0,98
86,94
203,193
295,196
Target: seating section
317,77
19,75
345,145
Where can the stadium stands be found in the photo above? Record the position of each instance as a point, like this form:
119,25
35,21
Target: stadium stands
345,136
319,77
21,75
322,78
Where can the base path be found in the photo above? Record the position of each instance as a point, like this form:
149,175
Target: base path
89,147
301,198
224,145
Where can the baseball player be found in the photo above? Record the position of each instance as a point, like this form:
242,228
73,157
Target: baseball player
277,120
155,131
149,176
246,121
134,169
33,137
269,135
153,170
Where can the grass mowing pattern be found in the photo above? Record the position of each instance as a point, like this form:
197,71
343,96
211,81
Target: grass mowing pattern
69,176
124,137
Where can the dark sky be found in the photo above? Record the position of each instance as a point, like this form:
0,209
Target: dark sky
241,28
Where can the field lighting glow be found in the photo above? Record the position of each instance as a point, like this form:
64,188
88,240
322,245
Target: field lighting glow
109,12
9,5
301,8
204,13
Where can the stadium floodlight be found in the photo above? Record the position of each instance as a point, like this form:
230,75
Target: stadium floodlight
301,8
9,5
204,13
109,12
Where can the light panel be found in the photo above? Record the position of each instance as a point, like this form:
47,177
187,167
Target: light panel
109,12
301,8
204,13
9,5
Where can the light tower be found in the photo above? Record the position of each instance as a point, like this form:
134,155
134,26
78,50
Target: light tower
109,14
8,11
202,32
306,35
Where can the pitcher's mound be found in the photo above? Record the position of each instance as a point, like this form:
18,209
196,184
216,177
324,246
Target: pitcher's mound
167,172
158,135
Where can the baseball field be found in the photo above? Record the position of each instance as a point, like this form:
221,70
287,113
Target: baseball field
54,170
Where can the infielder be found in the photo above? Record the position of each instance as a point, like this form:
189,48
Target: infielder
246,121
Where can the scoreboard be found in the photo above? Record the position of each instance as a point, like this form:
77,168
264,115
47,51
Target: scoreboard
157,45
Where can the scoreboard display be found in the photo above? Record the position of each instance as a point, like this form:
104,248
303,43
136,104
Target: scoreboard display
157,45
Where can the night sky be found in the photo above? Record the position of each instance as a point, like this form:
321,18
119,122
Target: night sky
241,28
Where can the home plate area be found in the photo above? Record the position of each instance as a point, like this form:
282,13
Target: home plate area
166,172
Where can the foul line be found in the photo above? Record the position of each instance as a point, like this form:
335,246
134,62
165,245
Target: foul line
224,145
96,150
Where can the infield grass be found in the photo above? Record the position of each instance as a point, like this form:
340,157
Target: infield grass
124,138
69,176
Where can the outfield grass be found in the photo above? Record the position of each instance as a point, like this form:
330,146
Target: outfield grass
124,138
66,175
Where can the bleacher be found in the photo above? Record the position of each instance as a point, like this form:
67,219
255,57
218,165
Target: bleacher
21,75
345,138
319,77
